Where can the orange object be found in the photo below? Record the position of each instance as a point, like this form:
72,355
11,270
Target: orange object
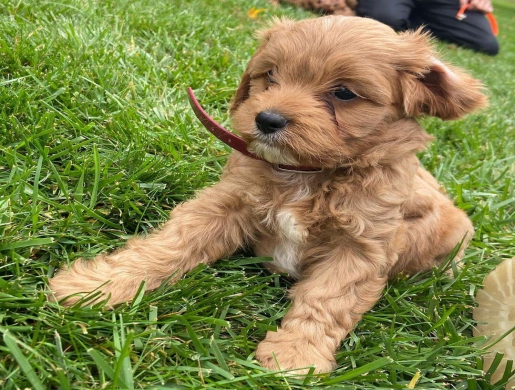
253,13
490,16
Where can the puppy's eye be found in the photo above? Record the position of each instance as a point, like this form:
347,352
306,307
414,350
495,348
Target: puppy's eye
343,93
270,77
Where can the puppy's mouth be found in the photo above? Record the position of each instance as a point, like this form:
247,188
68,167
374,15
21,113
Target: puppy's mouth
268,150
268,138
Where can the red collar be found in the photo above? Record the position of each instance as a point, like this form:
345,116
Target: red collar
234,141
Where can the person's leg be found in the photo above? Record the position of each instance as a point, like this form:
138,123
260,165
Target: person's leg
473,32
394,13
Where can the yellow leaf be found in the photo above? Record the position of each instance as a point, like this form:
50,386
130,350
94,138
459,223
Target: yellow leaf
414,380
253,13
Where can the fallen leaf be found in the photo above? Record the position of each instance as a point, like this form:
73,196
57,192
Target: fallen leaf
253,13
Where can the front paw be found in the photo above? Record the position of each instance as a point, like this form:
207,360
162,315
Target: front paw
71,284
287,350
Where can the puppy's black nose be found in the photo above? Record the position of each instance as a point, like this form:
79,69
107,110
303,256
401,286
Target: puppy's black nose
269,122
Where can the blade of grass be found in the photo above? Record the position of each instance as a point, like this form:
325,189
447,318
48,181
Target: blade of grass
372,366
11,343
96,180
104,366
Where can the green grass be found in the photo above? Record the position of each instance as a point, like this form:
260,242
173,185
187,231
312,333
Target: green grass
97,143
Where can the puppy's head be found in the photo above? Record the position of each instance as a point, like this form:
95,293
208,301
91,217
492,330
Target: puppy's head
335,91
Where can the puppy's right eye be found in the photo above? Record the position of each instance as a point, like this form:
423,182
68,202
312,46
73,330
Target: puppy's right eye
343,93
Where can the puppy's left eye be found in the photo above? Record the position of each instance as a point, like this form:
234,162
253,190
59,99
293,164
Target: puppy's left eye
343,93
270,77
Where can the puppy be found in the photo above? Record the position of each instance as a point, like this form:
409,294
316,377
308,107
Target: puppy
339,95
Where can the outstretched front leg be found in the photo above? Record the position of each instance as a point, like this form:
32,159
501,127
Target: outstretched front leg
202,230
327,304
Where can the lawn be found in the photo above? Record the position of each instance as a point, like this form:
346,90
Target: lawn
98,143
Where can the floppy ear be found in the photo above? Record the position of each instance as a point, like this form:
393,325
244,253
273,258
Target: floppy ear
437,89
242,93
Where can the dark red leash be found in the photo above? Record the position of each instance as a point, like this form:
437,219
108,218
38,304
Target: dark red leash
233,140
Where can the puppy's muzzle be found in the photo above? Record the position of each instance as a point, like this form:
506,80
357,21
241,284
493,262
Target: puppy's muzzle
269,122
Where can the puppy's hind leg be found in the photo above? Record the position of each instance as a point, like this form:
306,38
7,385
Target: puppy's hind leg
452,228
202,230
433,228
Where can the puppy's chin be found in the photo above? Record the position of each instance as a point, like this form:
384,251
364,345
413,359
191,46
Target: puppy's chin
272,154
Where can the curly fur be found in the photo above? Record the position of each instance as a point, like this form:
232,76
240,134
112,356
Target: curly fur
334,7
371,213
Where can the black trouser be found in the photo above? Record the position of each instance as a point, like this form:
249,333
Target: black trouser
439,17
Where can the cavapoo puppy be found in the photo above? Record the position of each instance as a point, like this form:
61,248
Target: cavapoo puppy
337,97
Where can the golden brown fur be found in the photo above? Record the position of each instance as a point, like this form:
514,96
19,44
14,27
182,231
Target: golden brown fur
334,7
370,214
